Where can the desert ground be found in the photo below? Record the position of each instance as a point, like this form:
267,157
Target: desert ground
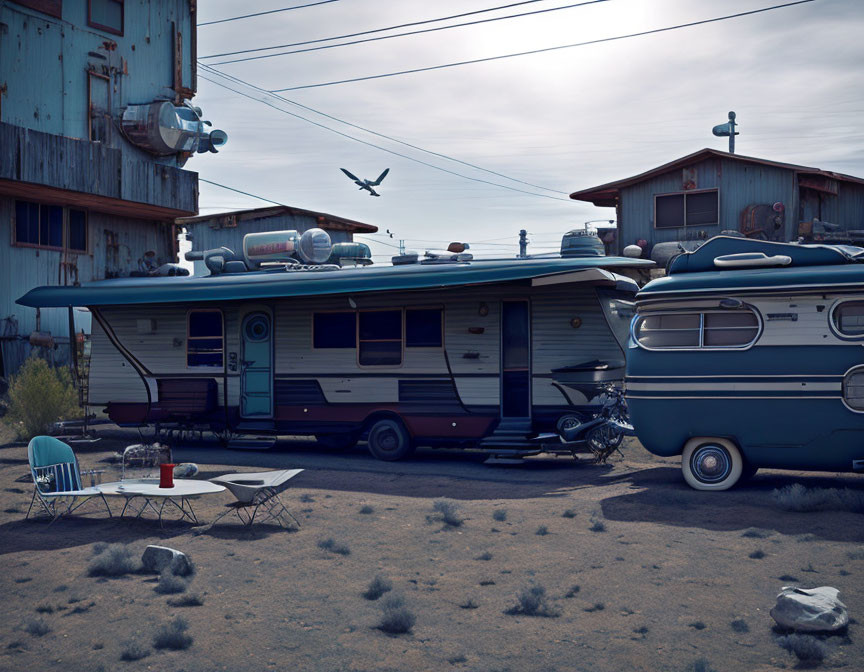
639,571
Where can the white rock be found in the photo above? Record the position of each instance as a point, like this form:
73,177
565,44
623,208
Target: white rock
157,558
810,609
185,470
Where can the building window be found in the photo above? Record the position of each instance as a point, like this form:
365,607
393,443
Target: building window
76,239
697,330
848,318
334,330
51,7
41,225
690,208
205,342
106,15
423,328
380,338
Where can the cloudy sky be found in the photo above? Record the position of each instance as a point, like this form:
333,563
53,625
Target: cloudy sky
562,120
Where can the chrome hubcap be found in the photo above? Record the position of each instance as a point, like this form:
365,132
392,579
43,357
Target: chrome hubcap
711,463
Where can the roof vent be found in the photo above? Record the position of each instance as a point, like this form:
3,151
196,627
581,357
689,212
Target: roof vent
578,243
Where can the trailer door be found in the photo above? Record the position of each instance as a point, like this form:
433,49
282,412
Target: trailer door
256,371
515,359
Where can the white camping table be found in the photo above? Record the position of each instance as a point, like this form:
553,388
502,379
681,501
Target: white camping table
148,490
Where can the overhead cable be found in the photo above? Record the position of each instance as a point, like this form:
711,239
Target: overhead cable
376,30
212,70
412,32
384,149
543,50
272,11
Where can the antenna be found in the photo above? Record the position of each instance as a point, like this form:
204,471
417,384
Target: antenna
727,129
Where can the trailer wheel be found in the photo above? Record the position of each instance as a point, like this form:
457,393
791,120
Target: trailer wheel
711,464
389,440
337,441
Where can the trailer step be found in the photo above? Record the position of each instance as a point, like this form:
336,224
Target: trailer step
251,443
505,460
256,426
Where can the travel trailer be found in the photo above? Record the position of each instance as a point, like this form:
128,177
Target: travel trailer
442,350
749,354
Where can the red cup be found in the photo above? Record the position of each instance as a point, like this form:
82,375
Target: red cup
166,475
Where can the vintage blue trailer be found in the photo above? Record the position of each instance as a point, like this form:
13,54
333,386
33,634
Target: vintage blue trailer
445,350
749,354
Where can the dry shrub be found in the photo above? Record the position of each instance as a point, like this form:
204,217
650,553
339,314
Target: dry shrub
173,636
169,583
330,544
132,650
806,648
39,396
112,560
800,499
448,511
396,619
500,515
532,601
377,587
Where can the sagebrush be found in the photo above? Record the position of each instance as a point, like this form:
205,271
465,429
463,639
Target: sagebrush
800,499
39,396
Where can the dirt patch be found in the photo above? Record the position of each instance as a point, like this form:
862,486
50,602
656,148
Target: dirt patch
673,569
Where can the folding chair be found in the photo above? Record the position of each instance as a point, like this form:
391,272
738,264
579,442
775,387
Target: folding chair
258,491
57,478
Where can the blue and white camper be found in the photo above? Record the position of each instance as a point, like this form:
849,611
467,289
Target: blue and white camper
749,354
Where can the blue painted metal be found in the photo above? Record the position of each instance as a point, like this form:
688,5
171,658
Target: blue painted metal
49,66
812,266
270,284
781,401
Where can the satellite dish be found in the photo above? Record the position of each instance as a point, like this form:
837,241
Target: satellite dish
315,246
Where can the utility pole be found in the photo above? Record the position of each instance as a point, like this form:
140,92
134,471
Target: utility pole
401,246
523,243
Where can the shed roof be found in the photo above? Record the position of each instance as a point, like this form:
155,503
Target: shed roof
276,284
237,217
606,194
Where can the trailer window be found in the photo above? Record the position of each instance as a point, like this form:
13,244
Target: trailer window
423,328
849,318
205,342
380,338
710,329
725,330
619,313
669,331
853,389
334,330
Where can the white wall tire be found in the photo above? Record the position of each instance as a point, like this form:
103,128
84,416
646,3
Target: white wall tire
710,463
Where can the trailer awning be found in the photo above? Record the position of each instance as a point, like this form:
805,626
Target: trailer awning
279,284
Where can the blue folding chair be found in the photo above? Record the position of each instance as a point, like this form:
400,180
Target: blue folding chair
57,479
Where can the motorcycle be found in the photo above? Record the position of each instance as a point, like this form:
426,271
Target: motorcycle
603,434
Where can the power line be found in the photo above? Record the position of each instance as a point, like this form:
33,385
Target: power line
384,149
543,50
240,191
376,30
272,11
412,32
375,133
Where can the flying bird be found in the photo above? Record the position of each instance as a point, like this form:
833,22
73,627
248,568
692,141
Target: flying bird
367,184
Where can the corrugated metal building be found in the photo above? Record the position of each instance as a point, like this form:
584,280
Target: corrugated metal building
698,196
78,200
228,228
